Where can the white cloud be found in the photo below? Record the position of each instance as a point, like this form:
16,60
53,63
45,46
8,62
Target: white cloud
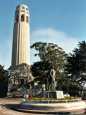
68,43
50,35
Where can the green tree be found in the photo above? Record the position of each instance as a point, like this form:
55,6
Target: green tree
82,59
51,53
41,72
76,62
72,66
76,66
3,81
40,68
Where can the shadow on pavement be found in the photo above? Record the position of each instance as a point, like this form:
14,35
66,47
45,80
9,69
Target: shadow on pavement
17,107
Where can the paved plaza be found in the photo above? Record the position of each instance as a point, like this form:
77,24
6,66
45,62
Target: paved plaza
5,111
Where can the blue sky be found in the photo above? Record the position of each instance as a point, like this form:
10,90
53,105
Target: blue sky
58,21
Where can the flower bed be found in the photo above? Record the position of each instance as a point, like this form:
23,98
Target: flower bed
52,100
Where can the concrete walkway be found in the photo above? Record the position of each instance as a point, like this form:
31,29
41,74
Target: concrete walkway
6,111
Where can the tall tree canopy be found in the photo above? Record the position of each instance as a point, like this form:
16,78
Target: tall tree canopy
76,62
40,68
51,53
41,72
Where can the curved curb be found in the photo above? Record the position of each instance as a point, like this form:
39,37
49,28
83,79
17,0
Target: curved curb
16,107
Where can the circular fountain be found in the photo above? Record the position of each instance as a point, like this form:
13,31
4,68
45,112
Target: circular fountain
53,102
52,106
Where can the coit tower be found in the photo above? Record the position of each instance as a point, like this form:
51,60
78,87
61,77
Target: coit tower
21,36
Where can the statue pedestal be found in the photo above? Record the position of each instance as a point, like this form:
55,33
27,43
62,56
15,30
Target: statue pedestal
54,94
59,95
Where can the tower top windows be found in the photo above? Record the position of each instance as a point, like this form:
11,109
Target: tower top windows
22,18
23,7
27,9
22,13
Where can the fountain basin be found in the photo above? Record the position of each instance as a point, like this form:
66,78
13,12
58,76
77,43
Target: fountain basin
53,107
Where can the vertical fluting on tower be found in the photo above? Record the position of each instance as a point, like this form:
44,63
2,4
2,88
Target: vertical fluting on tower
21,36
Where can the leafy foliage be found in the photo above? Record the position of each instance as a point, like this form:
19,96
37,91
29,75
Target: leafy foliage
41,72
76,63
51,53
39,68
3,81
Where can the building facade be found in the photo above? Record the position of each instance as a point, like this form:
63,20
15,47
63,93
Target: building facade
21,36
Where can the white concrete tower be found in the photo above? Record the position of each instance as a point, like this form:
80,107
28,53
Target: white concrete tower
21,36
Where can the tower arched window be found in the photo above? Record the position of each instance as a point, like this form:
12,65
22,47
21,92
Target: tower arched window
22,17
26,18
23,7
